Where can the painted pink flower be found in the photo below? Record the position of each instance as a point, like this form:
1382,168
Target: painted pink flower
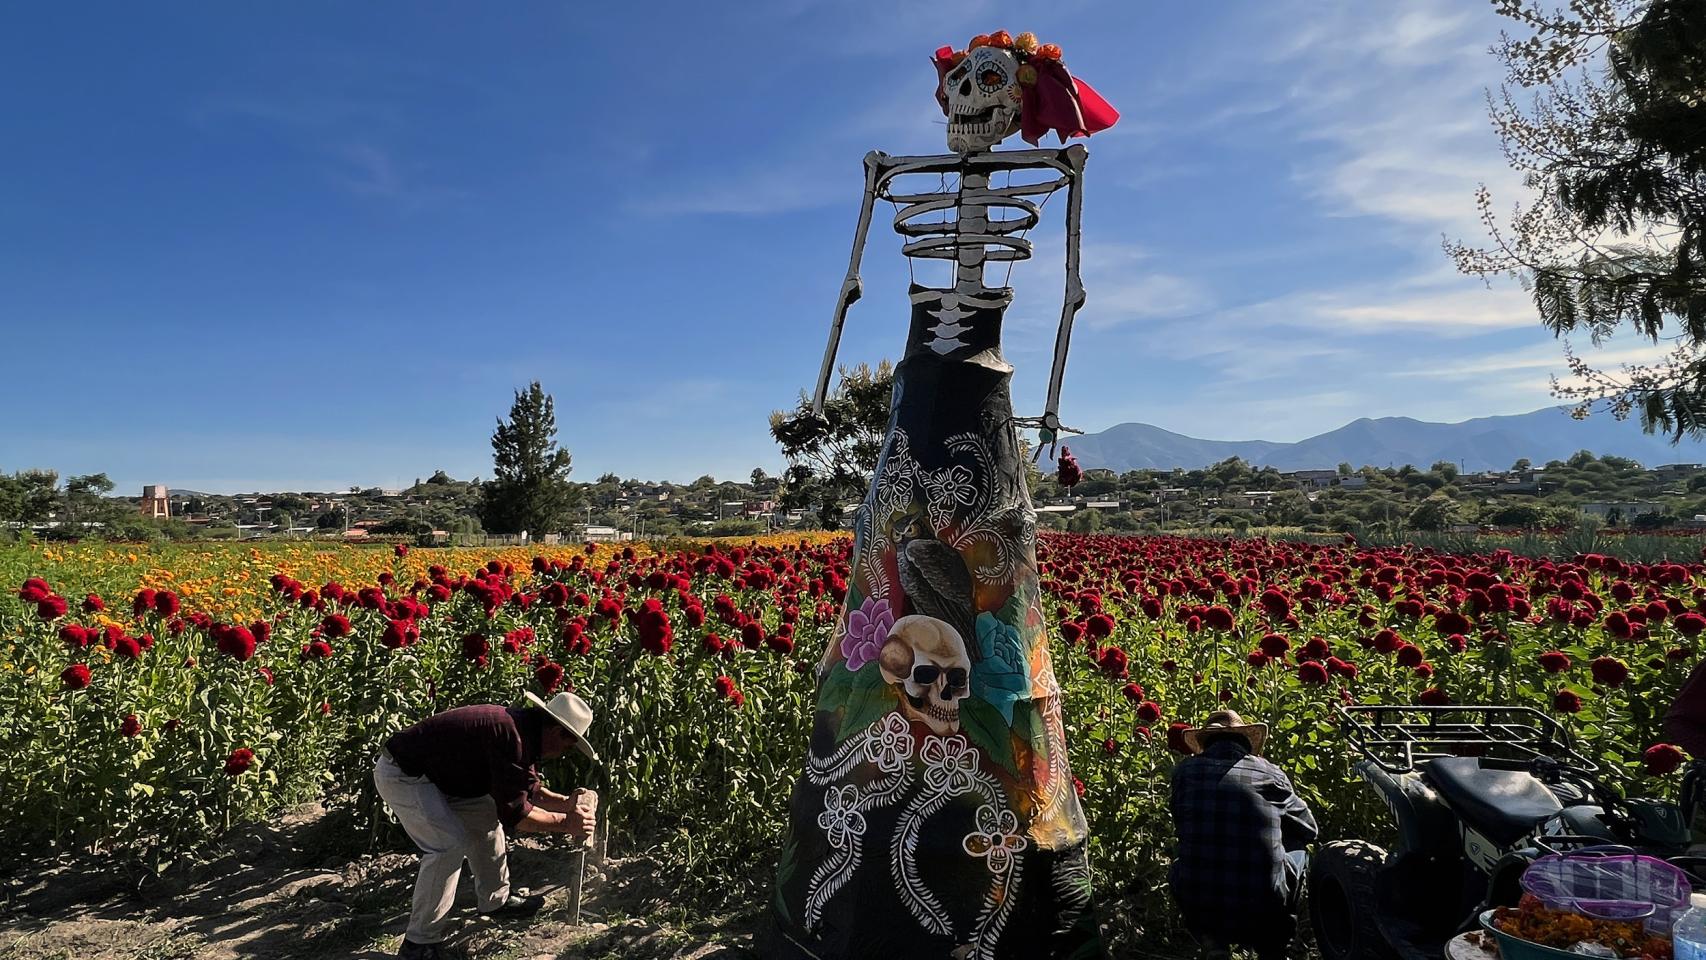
867,628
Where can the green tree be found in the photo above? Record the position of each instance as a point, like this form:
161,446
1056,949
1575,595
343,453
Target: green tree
1435,513
85,504
530,490
1525,516
439,477
831,458
1616,236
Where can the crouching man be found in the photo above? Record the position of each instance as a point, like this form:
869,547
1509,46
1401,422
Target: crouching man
463,779
1242,828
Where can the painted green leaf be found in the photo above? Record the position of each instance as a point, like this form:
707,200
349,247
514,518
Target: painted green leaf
868,698
982,724
1028,723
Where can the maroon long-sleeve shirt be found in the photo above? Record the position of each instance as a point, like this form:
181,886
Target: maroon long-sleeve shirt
475,751
1685,722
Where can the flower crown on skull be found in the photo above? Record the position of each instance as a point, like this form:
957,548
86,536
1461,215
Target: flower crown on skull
1000,85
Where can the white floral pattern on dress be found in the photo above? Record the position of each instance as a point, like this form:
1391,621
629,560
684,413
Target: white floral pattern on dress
841,818
996,838
950,765
891,747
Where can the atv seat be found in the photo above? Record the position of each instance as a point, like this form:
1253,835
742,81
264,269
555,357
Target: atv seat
1501,805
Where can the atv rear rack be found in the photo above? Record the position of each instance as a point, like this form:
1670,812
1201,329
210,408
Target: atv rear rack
1396,738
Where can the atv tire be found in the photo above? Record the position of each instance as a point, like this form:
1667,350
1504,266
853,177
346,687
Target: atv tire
1343,905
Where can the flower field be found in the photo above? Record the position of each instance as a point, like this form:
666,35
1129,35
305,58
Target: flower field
152,697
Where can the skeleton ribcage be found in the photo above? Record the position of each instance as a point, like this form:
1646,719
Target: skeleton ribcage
972,230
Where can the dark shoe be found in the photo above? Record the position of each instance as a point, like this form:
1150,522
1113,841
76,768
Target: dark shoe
515,907
420,951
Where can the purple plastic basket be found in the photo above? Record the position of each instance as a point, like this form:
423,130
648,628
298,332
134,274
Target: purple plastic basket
1615,887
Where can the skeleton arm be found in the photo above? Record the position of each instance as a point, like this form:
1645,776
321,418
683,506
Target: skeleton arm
852,288
1075,157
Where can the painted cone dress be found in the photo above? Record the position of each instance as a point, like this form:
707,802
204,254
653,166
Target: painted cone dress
937,816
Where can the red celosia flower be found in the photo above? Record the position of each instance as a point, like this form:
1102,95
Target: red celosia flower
241,759
75,677
1311,673
1071,631
1689,624
317,650
1609,671
34,590
1554,661
1275,645
1218,618
725,687
1276,604
1388,641
549,675
399,634
1110,746
166,603
130,726
234,641
93,604
144,601
76,635
1112,662
1316,649
1566,701
51,607
1341,668
1100,626
1450,621
1433,697
1662,758
128,648
1148,712
1132,692
336,625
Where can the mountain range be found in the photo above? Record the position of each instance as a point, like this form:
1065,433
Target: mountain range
1485,443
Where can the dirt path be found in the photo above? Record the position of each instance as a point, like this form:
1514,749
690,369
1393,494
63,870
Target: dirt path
283,890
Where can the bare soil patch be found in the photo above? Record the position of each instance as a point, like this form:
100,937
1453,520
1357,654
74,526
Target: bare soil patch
292,888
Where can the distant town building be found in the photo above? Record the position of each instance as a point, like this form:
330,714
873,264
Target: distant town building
1312,479
155,502
1624,511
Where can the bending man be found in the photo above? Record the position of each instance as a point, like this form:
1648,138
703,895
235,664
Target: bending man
463,779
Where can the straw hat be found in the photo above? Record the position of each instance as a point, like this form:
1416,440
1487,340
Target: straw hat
573,713
1223,722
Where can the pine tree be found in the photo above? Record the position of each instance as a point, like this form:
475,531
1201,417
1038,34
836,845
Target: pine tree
1616,236
530,490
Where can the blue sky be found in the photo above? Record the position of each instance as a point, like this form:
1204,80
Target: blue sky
310,245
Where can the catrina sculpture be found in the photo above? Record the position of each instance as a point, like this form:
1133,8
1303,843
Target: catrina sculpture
937,816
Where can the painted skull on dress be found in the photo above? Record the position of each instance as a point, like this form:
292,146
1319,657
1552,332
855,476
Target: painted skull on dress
927,659
983,99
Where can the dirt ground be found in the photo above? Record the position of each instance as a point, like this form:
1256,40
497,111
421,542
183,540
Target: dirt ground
287,890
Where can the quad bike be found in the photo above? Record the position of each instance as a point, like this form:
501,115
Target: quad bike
1477,794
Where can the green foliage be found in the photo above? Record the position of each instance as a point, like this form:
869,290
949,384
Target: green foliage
530,489
1616,238
831,458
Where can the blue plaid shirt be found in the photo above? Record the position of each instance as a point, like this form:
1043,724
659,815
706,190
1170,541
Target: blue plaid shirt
1236,815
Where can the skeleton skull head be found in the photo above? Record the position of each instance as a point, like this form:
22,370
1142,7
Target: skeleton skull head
983,99
927,659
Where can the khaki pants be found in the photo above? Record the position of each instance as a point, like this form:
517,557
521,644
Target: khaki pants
448,830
